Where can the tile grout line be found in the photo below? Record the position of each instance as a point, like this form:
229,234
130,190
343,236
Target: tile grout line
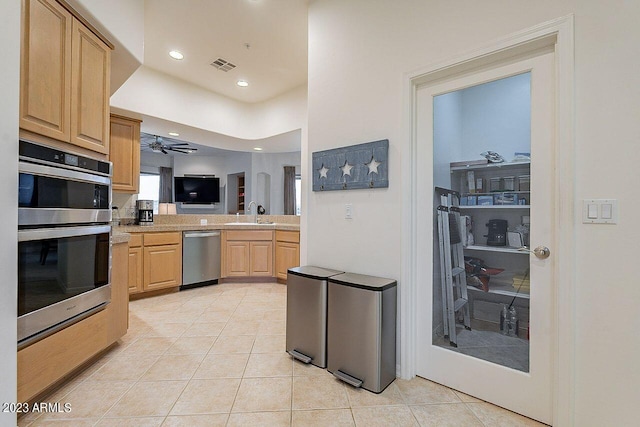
243,371
199,364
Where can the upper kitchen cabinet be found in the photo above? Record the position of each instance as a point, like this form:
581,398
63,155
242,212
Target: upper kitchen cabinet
64,77
124,153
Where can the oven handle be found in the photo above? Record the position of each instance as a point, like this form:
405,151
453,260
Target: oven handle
60,232
55,172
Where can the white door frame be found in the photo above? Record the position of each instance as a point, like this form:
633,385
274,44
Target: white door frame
558,32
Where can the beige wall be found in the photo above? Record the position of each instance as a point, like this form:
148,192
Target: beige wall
359,55
152,93
9,87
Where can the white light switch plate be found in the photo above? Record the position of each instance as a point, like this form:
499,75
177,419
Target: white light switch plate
600,211
348,211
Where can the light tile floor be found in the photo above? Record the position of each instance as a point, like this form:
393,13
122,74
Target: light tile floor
215,356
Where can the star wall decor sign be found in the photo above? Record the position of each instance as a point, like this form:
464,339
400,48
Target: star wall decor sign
353,167
373,165
323,171
346,169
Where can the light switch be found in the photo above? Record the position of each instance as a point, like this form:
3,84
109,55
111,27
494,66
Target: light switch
348,211
600,211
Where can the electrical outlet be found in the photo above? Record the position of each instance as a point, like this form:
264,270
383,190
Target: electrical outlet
203,222
348,211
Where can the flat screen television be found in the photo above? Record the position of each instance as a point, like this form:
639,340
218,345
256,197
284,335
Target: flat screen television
196,190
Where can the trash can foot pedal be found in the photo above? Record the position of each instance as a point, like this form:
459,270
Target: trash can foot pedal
301,357
347,378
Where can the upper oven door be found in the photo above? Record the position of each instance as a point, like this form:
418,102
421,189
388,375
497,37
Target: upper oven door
52,195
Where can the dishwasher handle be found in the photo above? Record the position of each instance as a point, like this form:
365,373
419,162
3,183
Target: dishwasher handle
202,234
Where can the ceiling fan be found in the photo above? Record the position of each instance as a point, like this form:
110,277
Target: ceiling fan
157,144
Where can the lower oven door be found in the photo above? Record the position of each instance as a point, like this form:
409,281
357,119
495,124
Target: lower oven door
63,276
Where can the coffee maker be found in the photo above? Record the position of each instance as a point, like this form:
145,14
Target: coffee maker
145,212
497,235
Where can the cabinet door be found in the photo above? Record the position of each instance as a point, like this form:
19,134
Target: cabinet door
91,65
237,259
162,266
45,73
124,153
261,258
135,270
119,307
287,256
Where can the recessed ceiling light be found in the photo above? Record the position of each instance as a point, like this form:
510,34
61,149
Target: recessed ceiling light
242,83
257,148
176,54
174,134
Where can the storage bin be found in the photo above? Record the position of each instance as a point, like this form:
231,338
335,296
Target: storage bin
306,333
509,183
495,184
361,345
524,183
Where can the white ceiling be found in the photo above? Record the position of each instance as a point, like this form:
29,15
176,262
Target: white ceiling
204,30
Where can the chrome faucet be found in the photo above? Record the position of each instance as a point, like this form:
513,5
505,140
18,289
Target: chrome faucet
255,216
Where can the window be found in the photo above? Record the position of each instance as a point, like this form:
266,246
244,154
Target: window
298,193
150,189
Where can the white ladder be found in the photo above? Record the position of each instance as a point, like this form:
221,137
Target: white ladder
452,268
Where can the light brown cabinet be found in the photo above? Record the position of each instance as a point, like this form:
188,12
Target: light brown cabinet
135,264
124,153
261,258
162,266
238,256
64,77
118,308
287,252
156,263
247,253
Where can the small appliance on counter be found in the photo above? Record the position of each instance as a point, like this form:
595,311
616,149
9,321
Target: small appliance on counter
497,235
144,210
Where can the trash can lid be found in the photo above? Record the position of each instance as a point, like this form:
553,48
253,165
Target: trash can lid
313,272
363,281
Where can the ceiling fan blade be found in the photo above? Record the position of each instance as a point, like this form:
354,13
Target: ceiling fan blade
163,150
173,144
183,150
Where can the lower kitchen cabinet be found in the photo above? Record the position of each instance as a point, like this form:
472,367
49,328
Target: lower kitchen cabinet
287,252
261,258
135,264
118,309
156,262
238,256
247,253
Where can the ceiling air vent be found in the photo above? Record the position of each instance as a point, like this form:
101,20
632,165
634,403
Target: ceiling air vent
223,65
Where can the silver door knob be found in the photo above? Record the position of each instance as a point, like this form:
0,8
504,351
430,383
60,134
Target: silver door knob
542,252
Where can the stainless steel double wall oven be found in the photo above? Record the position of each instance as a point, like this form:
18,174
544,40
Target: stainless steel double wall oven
64,239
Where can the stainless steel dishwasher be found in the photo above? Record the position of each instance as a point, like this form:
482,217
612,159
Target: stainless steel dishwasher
200,258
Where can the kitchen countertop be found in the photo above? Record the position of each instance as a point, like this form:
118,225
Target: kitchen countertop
195,227
119,237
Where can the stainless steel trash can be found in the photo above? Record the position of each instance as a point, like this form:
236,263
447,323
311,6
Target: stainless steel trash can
361,330
307,314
